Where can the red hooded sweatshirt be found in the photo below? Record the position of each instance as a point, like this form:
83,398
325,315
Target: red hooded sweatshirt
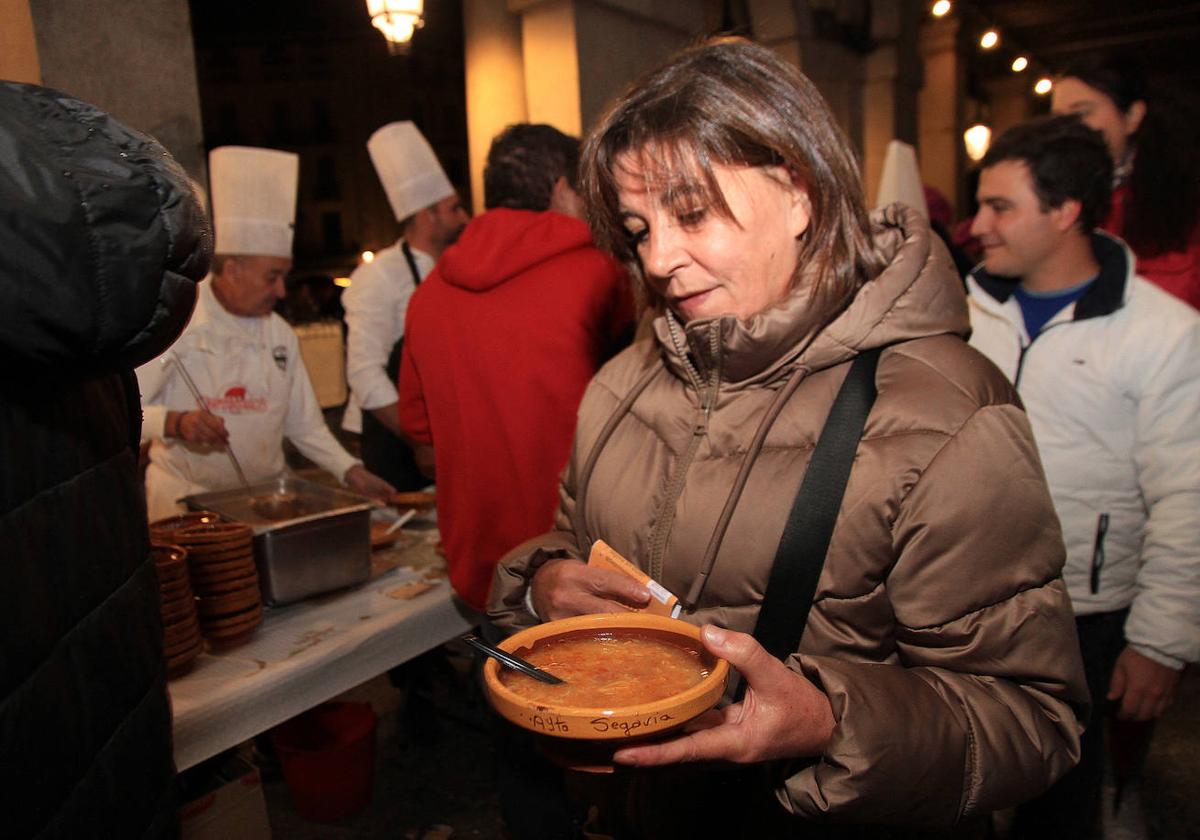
500,341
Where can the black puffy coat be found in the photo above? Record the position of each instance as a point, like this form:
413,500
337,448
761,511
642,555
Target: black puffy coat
101,244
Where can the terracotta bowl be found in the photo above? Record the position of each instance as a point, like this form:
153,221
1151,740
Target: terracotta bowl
170,563
600,723
211,534
162,530
414,500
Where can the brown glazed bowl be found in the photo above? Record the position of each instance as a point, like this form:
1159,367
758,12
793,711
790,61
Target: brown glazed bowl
601,723
163,530
413,500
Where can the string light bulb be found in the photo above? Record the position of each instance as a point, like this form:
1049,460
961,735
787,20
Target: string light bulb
1043,86
368,256
941,8
1020,63
989,39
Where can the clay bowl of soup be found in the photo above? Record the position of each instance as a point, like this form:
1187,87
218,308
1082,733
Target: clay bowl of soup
627,676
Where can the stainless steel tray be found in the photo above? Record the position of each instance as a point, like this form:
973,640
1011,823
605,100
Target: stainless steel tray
326,546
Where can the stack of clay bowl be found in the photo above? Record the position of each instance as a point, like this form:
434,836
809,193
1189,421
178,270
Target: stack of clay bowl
163,530
221,561
182,642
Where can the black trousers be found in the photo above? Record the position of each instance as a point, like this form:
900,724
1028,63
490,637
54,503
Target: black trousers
388,456
1071,808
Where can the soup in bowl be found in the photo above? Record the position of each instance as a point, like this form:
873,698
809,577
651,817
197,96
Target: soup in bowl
626,676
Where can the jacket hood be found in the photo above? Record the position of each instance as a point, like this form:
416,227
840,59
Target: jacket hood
503,243
917,294
102,239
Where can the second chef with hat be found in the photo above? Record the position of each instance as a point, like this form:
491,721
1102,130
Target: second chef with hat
244,359
431,217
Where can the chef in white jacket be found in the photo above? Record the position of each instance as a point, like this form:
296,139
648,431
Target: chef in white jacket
431,217
244,359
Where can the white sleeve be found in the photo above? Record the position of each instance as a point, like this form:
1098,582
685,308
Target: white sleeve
1165,616
304,425
151,378
374,304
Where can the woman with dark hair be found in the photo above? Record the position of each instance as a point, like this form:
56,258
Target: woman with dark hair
938,676
1156,176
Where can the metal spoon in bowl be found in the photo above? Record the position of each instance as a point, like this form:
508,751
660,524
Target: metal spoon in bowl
514,662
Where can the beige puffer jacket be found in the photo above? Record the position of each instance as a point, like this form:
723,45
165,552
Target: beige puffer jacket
941,630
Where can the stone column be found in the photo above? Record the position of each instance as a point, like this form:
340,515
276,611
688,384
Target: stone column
1009,100
619,40
940,116
133,60
495,79
551,52
891,81
560,61
18,47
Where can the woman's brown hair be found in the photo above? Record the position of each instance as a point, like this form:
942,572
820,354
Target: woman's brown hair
733,103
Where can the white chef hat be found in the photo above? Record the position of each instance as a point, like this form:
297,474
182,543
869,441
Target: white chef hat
901,179
253,200
408,169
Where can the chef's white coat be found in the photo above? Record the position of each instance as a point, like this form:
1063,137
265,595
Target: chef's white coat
375,305
251,375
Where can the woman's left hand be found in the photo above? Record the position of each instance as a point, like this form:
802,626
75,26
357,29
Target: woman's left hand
782,716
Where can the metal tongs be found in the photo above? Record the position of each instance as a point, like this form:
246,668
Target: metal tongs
196,395
514,662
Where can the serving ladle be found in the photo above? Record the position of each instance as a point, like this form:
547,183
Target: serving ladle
511,661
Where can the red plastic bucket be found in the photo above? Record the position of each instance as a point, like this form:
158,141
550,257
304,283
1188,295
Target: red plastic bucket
328,759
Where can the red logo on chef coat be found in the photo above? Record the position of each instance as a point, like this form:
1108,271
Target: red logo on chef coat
235,401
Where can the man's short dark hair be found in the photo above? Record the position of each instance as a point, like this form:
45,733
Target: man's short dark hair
523,164
1067,160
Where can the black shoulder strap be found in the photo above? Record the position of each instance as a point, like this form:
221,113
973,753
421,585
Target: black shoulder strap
412,263
393,362
805,540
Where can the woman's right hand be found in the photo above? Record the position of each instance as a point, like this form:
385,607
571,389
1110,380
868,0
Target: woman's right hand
563,588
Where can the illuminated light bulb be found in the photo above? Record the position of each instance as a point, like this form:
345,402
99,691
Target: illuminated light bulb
1020,63
941,8
1043,86
368,256
397,19
977,138
990,39
344,282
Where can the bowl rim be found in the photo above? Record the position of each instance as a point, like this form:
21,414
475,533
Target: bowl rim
718,675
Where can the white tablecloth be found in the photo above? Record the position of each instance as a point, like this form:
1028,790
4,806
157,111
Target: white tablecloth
309,652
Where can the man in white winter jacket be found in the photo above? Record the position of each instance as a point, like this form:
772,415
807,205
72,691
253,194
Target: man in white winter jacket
242,357
1108,367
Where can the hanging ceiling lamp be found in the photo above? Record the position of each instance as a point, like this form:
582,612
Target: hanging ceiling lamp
397,19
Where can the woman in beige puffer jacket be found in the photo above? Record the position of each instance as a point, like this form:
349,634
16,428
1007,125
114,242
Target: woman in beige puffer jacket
939,675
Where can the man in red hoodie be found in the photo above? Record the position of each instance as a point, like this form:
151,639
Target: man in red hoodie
500,341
